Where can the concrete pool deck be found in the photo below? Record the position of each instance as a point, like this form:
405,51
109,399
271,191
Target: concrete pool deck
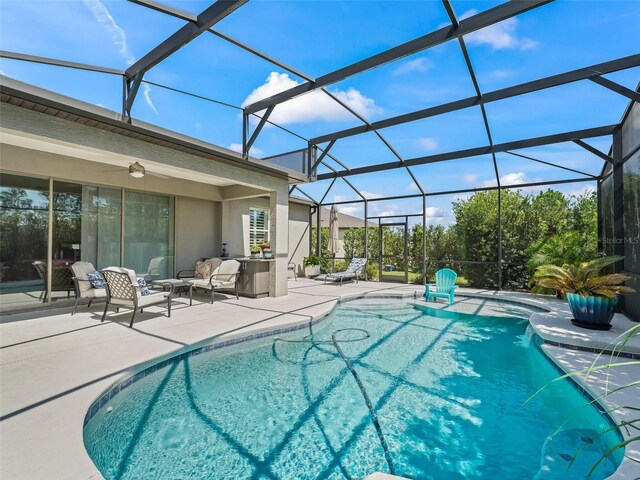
54,365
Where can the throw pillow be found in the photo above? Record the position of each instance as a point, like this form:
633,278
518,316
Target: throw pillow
96,279
203,269
144,290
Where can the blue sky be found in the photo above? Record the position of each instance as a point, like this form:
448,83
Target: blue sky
316,37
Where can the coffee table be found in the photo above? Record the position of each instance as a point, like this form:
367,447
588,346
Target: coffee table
178,285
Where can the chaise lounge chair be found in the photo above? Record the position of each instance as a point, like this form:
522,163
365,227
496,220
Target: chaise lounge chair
85,288
354,270
444,287
123,290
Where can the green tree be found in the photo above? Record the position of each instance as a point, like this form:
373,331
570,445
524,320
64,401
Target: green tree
551,209
353,242
476,232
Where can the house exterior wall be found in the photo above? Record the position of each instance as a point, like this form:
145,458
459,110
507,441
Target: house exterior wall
60,133
207,211
198,231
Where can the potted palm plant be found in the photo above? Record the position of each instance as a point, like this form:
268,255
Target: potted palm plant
311,266
592,297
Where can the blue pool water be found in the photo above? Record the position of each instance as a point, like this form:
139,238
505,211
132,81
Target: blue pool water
449,392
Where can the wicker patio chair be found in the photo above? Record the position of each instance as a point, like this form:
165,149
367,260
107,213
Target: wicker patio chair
123,290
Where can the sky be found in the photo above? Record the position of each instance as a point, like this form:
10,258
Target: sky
317,37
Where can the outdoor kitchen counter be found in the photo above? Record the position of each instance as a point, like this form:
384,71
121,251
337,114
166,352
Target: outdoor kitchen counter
253,280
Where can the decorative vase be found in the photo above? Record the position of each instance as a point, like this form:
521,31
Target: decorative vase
592,312
266,253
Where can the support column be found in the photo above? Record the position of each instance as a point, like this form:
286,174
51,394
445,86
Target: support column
424,238
366,236
599,213
618,202
318,234
279,240
499,238
311,210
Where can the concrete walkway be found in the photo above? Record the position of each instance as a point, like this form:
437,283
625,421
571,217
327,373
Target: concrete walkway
54,365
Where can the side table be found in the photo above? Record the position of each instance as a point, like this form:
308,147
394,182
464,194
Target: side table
175,285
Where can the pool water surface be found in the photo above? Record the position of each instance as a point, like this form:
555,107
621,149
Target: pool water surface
451,392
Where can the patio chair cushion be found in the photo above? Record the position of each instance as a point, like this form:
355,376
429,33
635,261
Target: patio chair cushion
152,299
81,271
96,279
354,269
204,283
144,290
227,271
95,293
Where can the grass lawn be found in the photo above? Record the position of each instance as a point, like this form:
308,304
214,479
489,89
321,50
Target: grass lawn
417,278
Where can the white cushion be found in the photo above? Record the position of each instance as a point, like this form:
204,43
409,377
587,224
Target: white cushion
143,301
94,293
80,271
156,297
201,283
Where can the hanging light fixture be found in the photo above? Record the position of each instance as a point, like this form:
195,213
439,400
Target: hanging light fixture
136,170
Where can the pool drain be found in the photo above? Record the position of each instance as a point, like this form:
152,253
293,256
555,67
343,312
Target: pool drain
336,343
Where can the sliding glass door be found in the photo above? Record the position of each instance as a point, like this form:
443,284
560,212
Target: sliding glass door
40,240
24,229
101,226
148,235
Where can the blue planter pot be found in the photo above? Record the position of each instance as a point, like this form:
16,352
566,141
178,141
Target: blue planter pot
591,312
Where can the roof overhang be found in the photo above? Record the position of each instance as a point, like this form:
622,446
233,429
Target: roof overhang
31,97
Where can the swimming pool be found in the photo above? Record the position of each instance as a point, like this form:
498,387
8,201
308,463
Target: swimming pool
448,390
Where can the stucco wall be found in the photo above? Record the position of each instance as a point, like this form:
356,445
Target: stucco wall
198,231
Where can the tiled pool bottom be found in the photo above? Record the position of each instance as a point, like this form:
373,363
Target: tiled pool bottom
448,392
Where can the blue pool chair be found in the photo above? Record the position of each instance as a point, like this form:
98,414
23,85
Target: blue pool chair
445,285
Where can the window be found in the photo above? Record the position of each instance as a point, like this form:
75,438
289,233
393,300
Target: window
258,226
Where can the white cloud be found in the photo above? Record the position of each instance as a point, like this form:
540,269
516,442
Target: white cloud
429,144
352,210
313,106
434,214
514,178
499,36
588,190
412,186
501,73
118,38
420,64
370,194
470,177
237,147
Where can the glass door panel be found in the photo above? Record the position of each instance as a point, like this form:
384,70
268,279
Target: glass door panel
67,216
24,224
101,226
148,235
